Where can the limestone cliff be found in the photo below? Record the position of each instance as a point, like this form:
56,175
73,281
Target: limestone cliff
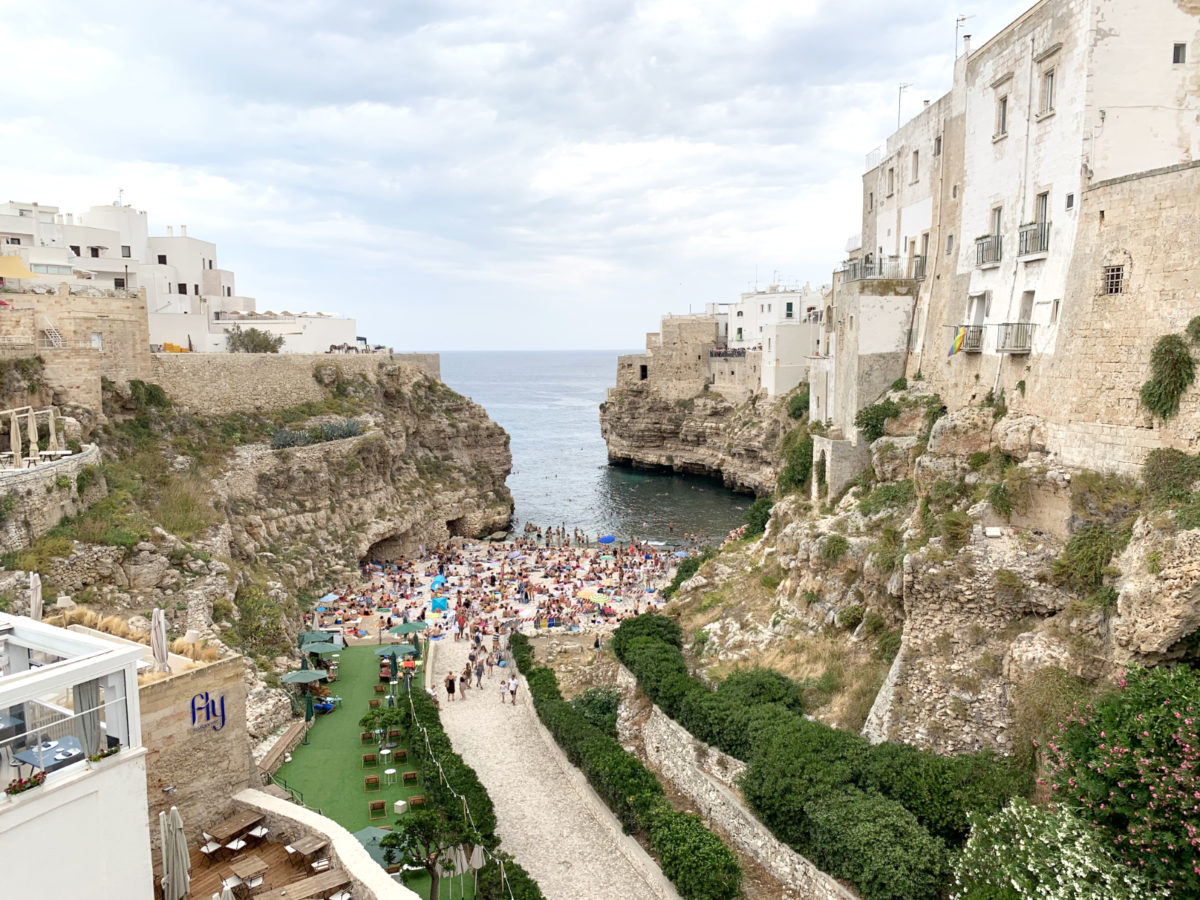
702,435
966,590
231,523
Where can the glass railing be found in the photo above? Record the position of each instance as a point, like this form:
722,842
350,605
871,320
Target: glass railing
39,737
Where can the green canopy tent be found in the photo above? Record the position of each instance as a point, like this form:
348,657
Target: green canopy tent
303,676
309,637
408,627
393,649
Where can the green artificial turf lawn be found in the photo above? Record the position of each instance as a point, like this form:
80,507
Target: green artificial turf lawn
328,772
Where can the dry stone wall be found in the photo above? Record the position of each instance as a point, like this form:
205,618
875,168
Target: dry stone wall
43,496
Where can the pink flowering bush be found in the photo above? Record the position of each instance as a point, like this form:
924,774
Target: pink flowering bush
1127,764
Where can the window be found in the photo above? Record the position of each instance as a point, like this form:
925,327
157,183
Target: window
119,284
196,289
1002,116
937,146
788,311
97,340
1041,208
41,269
182,288
75,249
1179,54
95,252
1054,311
870,200
125,252
891,182
16,241
643,372
997,214
1070,201
739,314
1047,91
954,192
1114,279
739,335
229,293
950,243
916,166
210,262
162,259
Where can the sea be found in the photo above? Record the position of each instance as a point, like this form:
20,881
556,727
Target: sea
549,402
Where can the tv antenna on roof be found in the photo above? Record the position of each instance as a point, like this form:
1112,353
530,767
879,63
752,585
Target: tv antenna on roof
904,85
958,23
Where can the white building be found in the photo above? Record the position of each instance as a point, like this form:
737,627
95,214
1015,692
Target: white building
782,325
83,833
192,303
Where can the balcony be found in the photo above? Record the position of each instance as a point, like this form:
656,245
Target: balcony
1015,337
972,339
1034,238
988,250
918,267
857,269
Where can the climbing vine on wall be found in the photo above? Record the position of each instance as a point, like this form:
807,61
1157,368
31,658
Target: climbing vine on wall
1172,371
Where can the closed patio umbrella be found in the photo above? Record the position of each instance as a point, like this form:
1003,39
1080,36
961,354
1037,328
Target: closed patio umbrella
158,641
53,444
33,444
35,597
14,438
176,878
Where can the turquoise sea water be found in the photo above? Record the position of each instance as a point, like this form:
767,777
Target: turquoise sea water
549,403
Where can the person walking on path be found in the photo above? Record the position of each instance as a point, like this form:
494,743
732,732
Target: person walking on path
503,690
491,661
479,674
512,689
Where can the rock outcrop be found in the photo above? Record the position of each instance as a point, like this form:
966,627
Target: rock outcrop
703,435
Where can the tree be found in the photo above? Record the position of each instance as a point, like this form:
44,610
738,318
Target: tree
426,838
252,340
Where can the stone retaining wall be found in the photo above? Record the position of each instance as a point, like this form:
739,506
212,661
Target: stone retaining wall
706,776
45,495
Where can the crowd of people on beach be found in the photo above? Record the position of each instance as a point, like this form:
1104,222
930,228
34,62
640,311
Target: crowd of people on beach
480,592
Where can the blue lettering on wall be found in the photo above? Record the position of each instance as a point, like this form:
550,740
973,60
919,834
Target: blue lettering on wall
208,712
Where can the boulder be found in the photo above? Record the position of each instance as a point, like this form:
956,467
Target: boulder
1020,436
891,458
962,432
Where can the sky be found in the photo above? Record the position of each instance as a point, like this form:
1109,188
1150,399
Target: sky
474,174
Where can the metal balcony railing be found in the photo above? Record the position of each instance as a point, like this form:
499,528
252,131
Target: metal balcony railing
918,267
1034,238
1015,337
972,339
857,269
988,249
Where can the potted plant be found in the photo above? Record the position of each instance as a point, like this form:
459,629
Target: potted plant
21,785
104,754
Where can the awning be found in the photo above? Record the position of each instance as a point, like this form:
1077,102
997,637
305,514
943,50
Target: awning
12,267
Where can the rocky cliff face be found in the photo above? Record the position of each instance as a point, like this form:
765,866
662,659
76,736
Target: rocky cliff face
964,593
254,530
703,435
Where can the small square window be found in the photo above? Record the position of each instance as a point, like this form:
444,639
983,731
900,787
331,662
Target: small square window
126,253
1179,54
75,249
162,259
1070,201
1114,279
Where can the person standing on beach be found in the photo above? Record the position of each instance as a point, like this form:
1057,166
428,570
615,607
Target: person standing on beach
479,673
450,686
512,689
503,690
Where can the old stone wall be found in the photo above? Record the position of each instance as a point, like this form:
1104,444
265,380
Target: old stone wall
706,776
75,372
43,496
736,377
219,383
205,760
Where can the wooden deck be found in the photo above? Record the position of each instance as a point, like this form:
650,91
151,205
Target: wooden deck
206,879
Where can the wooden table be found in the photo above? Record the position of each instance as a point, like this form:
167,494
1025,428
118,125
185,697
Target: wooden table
307,846
247,867
307,888
225,831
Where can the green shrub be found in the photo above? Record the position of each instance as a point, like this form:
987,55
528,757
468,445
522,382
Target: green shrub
693,858
757,516
1193,330
1172,370
1000,500
979,459
873,623
496,886
885,496
85,479
1084,560
956,529
870,419
798,463
798,404
833,548
599,706
1009,585
148,396
252,340
888,644
850,617
900,384
1169,475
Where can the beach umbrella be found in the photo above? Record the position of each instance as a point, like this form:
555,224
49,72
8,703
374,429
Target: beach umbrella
158,640
35,597
408,627
319,647
393,649
369,837
328,598
681,554
303,676
438,581
608,557
33,444
309,637
606,539
14,439
176,879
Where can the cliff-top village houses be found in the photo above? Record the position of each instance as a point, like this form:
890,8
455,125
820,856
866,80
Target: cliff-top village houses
1028,235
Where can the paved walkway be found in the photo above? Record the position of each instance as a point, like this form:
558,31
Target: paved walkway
547,816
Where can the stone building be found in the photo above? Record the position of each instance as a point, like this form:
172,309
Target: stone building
1026,235
191,303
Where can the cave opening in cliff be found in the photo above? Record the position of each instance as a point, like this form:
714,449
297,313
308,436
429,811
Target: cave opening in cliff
458,527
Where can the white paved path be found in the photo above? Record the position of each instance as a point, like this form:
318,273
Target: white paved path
548,817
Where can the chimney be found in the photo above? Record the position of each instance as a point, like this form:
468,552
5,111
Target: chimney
926,102
966,44
183,231
170,231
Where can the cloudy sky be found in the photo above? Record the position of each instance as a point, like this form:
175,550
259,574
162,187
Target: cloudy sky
475,174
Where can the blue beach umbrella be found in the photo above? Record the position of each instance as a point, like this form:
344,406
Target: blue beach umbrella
606,539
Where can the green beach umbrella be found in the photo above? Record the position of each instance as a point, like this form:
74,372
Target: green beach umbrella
308,637
369,837
393,649
302,676
319,647
408,627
